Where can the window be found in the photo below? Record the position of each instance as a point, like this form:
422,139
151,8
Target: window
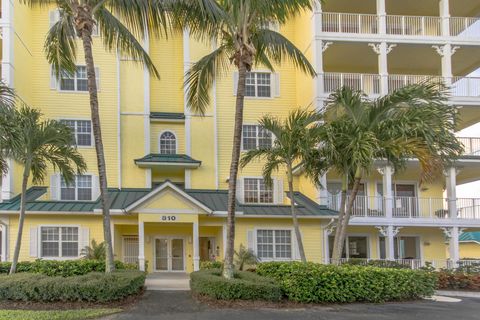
355,247
258,84
57,242
168,143
256,137
82,130
274,244
255,191
74,82
80,189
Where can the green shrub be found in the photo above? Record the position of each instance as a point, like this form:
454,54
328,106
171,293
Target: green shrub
458,281
93,287
312,282
377,263
208,265
244,286
64,268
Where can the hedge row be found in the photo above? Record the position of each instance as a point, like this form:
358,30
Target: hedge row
459,281
312,282
93,287
65,268
244,286
204,265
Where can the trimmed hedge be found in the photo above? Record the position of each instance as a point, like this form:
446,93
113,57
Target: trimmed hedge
314,283
64,268
93,287
244,286
458,281
204,265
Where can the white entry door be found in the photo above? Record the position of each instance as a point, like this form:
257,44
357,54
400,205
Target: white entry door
169,254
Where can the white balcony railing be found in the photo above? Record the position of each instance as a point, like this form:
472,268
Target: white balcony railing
409,207
412,263
371,83
431,26
471,145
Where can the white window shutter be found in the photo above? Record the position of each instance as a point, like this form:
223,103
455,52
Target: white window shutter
295,249
55,187
95,187
53,79
276,84
34,242
235,82
251,240
83,239
240,193
53,16
97,78
278,194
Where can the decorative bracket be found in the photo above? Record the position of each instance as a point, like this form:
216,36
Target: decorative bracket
396,230
383,230
330,227
447,231
442,50
377,47
381,170
325,45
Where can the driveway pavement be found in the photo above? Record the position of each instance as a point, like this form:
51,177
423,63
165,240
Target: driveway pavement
164,305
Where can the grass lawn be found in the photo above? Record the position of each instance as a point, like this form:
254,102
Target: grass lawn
79,314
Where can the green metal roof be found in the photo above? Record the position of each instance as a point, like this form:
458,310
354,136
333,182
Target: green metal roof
470,237
167,116
167,158
122,198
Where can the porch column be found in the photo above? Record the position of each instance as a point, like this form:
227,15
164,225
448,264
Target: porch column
328,230
4,255
224,239
451,183
391,243
445,15
387,173
382,49
323,191
382,17
141,245
318,48
196,247
454,246
446,52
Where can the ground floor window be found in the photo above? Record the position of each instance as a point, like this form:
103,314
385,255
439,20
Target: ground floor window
57,242
356,247
405,247
274,244
130,249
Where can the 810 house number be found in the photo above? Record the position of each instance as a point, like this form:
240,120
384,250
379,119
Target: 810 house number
169,218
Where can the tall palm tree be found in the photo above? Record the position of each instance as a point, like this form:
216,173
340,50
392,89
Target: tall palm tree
117,23
413,122
240,30
295,137
7,132
39,143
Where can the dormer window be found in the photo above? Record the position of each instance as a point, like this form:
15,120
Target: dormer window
255,191
168,143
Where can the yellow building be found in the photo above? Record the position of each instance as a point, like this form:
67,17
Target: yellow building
167,167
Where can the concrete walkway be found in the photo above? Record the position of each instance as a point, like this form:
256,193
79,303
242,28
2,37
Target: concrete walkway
169,281
174,305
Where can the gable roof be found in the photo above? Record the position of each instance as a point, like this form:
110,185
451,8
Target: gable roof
167,159
128,198
470,237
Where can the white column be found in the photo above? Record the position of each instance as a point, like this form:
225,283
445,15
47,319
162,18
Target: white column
7,183
224,239
141,245
451,184
454,246
444,6
387,173
196,247
323,191
382,17
446,52
188,117
382,49
4,243
326,245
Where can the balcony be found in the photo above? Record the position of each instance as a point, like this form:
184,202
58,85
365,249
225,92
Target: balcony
471,146
370,83
431,26
410,207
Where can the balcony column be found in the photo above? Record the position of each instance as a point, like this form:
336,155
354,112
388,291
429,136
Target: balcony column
451,184
387,173
382,17
196,247
389,232
445,15
454,246
6,187
446,52
382,49
323,191
141,246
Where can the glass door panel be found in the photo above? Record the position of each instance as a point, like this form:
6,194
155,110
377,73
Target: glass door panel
177,255
161,254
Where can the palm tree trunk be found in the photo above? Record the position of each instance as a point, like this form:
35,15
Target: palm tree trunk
21,219
232,182
97,133
337,247
296,226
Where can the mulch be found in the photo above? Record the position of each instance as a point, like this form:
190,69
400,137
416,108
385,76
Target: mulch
66,305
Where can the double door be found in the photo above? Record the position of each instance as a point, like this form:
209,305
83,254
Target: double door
170,254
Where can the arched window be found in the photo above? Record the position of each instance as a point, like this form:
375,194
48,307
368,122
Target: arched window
168,143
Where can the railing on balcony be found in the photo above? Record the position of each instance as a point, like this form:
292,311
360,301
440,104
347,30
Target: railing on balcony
409,207
397,81
368,83
410,263
465,87
471,145
465,27
349,23
414,25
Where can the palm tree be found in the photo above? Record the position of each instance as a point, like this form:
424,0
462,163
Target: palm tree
7,132
295,137
413,122
117,22
240,30
39,143
96,251
245,257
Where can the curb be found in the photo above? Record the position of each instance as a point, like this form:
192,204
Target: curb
466,294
